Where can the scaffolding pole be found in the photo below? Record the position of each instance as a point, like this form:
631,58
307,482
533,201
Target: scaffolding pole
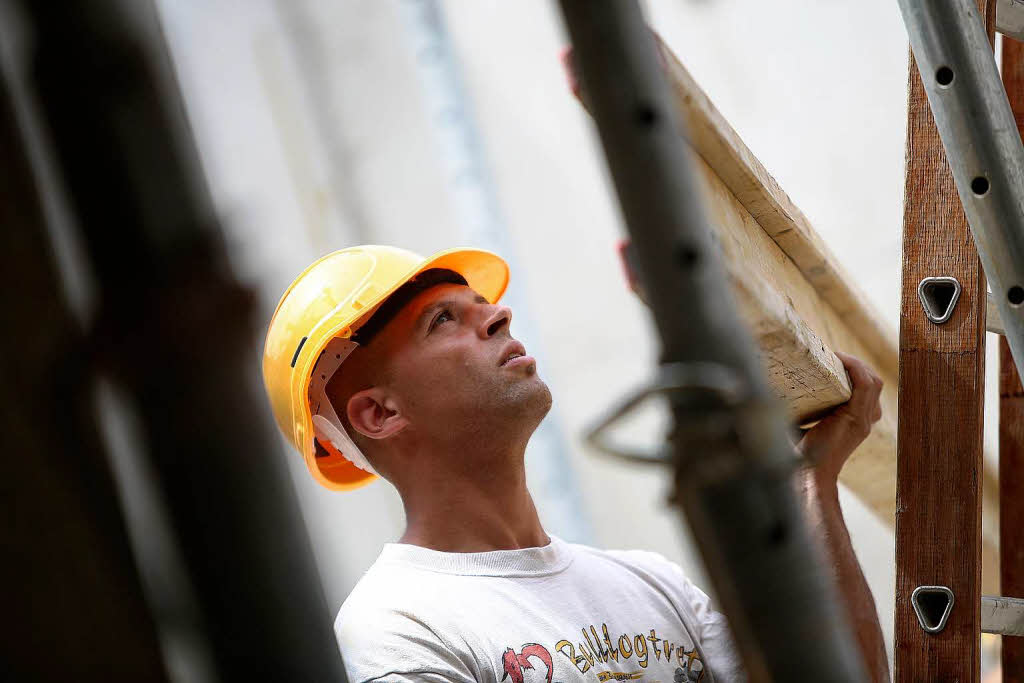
176,331
729,444
78,611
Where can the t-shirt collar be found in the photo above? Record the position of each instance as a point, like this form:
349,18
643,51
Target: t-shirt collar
548,559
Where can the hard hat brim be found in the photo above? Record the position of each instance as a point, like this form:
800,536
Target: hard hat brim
485,272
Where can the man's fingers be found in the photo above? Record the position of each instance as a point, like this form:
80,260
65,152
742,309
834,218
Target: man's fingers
860,373
866,384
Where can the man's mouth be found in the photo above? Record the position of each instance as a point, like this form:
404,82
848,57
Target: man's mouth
511,356
514,350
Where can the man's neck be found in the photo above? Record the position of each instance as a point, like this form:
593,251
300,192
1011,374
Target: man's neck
472,511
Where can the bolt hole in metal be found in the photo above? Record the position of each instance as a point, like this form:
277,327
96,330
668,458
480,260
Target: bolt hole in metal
939,296
646,115
932,604
979,186
687,256
944,76
777,534
1015,295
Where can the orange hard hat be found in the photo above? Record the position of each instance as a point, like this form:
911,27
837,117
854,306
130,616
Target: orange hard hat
310,336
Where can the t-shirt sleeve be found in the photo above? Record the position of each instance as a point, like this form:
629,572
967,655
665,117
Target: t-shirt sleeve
713,630
392,647
715,636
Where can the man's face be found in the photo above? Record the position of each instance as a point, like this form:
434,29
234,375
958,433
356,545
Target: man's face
456,371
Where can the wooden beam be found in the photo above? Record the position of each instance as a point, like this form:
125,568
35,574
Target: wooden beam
1011,424
941,406
796,296
761,231
801,367
757,191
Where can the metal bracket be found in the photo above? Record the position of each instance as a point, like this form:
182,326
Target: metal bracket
932,605
938,297
710,378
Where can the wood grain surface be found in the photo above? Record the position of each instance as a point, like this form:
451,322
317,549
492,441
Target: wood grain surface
1011,424
941,405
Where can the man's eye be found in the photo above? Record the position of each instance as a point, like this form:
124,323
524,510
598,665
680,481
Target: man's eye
441,317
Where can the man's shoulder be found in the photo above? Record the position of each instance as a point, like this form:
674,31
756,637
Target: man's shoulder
380,594
391,624
643,560
649,567
390,595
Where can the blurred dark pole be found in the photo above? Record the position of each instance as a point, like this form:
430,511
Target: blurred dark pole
729,445
73,600
177,332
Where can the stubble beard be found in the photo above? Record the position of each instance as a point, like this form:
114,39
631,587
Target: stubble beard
512,410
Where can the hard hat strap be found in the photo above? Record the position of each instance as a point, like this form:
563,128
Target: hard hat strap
327,426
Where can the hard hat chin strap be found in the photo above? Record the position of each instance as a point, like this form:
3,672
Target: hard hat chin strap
327,427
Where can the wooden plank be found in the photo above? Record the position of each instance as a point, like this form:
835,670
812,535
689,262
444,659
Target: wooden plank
804,372
1011,424
796,297
801,368
834,309
941,404
719,145
765,280
761,229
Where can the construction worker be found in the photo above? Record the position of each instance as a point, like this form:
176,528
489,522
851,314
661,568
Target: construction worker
379,362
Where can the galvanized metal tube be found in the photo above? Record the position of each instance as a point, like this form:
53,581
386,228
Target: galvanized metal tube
982,144
733,461
1010,18
1004,616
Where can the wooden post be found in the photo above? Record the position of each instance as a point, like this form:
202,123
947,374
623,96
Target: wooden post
1011,424
941,404
1011,491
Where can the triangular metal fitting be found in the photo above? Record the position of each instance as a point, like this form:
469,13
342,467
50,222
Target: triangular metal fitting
938,297
932,605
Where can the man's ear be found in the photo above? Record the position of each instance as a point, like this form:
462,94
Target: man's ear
375,415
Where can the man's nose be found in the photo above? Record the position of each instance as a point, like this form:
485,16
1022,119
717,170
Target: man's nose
500,317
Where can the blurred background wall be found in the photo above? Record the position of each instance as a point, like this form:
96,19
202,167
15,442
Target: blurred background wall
318,130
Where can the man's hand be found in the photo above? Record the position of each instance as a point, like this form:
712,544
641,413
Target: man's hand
830,442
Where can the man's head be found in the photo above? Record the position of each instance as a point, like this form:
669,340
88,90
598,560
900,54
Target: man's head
438,381
342,311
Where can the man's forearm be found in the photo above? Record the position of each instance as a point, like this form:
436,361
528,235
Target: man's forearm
821,494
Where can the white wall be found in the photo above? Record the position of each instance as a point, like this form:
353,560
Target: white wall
314,135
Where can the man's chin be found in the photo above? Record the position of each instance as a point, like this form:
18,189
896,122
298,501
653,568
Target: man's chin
537,401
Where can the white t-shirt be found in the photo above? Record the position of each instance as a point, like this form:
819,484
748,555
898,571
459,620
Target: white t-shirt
562,612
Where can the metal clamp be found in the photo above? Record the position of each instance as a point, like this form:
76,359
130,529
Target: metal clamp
712,378
932,605
938,297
